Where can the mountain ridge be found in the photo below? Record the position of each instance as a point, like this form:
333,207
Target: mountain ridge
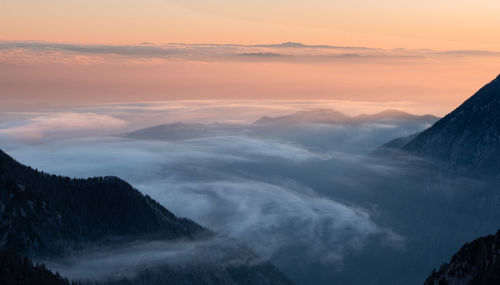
12,266
93,208
331,116
48,217
476,263
468,137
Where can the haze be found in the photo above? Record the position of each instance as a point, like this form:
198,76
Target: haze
429,54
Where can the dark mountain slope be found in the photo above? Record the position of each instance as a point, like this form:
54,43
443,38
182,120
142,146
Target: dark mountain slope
467,139
394,146
15,270
476,263
45,214
49,217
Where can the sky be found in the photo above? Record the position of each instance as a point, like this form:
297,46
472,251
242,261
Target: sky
442,24
77,75
432,54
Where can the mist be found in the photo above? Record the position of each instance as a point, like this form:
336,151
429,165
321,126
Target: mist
285,191
126,261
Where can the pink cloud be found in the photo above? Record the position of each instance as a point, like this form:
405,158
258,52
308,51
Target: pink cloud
62,124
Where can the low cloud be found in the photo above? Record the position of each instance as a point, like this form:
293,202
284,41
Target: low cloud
274,188
125,261
273,218
257,191
10,50
237,114
56,125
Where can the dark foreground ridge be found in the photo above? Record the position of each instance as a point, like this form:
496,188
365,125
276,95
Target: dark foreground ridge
46,216
15,270
476,263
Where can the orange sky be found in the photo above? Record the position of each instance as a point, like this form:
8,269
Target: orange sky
462,31
443,24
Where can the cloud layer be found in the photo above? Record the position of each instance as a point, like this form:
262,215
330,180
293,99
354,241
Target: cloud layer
125,261
278,188
121,118
59,124
290,51
254,190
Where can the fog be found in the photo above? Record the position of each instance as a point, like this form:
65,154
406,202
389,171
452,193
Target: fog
125,261
241,187
285,191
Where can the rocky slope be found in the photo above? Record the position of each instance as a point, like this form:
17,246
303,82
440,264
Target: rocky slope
476,263
467,139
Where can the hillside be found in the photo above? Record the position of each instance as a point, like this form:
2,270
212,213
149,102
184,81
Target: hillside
15,270
49,217
45,215
476,263
467,139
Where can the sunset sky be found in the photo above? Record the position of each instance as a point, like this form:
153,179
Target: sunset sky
429,54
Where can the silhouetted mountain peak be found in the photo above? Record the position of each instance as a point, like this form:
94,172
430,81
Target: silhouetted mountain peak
469,137
476,263
60,214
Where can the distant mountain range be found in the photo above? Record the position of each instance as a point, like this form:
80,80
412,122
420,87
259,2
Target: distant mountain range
180,131
319,129
328,116
47,216
318,116
183,131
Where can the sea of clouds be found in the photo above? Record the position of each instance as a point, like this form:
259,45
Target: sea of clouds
275,193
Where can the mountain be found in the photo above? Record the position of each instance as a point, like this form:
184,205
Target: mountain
467,139
44,215
395,116
49,217
476,263
328,116
15,270
182,131
398,143
320,116
320,129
